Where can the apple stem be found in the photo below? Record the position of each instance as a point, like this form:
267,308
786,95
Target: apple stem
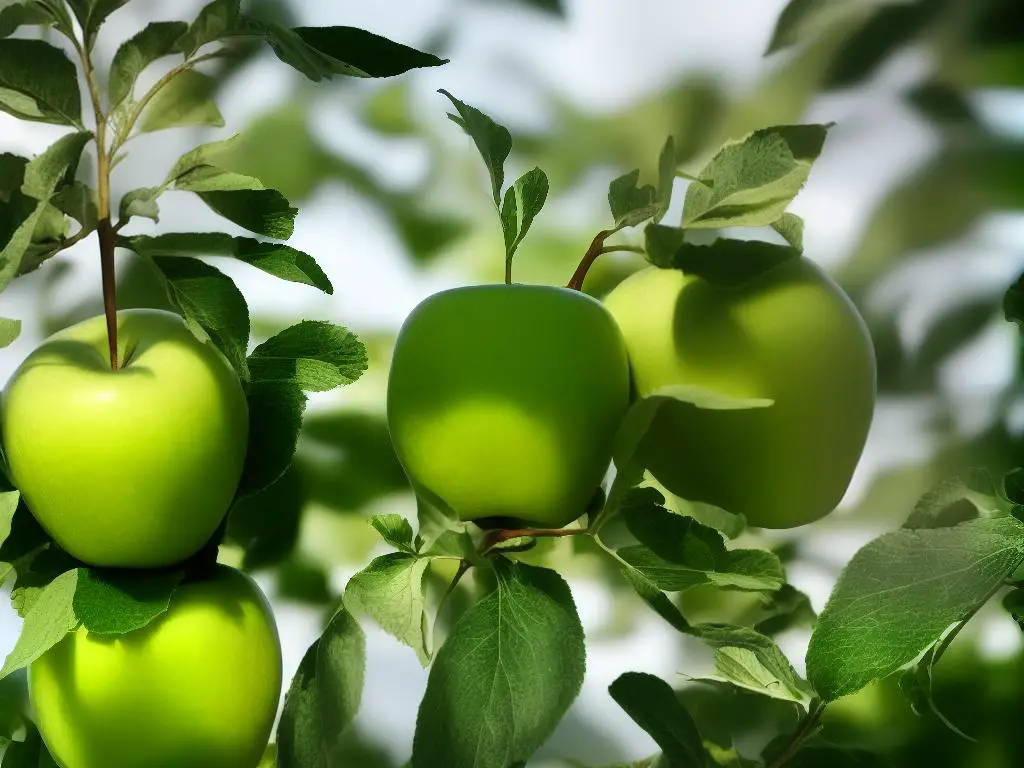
107,245
598,248
496,537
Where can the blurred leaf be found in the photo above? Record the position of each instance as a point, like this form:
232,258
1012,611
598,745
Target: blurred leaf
785,609
275,418
214,21
352,51
391,590
324,696
941,103
493,141
211,305
154,42
265,212
186,100
111,602
275,259
652,704
304,581
38,82
47,622
961,324
732,263
266,524
505,676
916,684
9,331
316,356
915,584
91,14
954,501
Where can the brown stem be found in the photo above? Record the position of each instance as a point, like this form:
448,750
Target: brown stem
107,241
576,281
497,536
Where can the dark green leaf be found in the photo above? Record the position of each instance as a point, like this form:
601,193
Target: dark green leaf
109,602
216,20
30,752
523,201
1014,605
316,356
9,331
916,686
955,501
265,212
662,243
38,82
275,418
658,601
273,258
391,590
324,696
493,141
266,524
901,592
505,676
78,201
352,51
186,100
23,13
792,22
653,705
91,14
630,203
47,622
155,41
210,303
732,263
787,608
1013,303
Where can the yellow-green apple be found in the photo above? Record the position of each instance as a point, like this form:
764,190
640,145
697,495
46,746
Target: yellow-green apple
133,467
790,335
197,687
504,400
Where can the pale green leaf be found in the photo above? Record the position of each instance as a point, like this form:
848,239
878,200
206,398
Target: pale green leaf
154,42
391,591
186,100
314,355
9,331
50,619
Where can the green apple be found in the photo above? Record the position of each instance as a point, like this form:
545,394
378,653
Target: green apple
198,687
504,400
128,468
790,335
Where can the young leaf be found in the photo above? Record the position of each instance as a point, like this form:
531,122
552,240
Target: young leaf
391,590
275,418
731,263
523,201
324,696
216,20
356,52
747,659
186,100
91,14
154,42
505,676
140,202
901,592
9,331
49,620
750,182
631,204
395,530
791,227
265,212
38,82
273,258
493,141
316,356
211,305
654,706
115,603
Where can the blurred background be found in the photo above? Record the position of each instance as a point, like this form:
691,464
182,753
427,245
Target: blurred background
915,207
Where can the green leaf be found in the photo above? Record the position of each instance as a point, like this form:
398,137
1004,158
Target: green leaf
662,243
791,227
91,14
787,608
154,42
275,259
38,82
23,13
211,305
789,28
732,263
323,697
111,602
901,592
653,705
916,686
395,530
216,20
493,141
356,52
141,202
213,167
8,506
657,600
24,540
746,659
505,676
1013,303
30,752
391,590
957,500
750,182
9,331
266,524
316,356
275,419
265,212
78,201
632,204
50,619
186,100
523,201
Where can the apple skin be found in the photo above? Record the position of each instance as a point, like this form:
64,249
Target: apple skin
790,335
504,400
127,468
197,687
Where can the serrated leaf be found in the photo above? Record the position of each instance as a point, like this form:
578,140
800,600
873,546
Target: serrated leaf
211,305
154,42
505,676
391,590
395,530
630,203
323,697
746,659
654,706
523,201
265,212
732,263
316,356
791,227
275,259
493,141
91,14
109,602
266,524
38,82
275,419
48,622
141,202
78,201
9,331
750,182
216,20
186,100
901,592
